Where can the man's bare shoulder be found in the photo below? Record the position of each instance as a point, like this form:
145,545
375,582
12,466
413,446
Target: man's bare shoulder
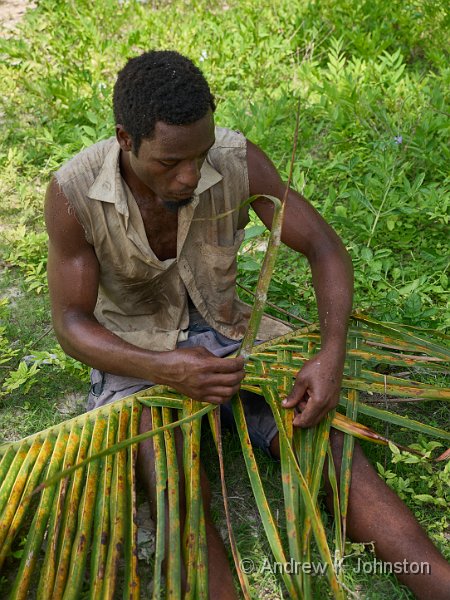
63,227
262,173
85,163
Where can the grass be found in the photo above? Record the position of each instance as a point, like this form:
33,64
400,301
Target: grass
373,82
53,394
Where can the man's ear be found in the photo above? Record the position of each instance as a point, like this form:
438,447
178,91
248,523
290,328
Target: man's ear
124,139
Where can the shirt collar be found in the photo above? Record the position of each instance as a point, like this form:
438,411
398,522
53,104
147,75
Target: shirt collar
110,187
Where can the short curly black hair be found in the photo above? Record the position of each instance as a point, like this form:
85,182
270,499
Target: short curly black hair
161,85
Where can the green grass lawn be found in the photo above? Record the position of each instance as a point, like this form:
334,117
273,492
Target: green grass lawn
373,84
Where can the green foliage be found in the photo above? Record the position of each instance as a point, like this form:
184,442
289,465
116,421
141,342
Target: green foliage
29,253
35,373
427,483
7,353
423,485
27,374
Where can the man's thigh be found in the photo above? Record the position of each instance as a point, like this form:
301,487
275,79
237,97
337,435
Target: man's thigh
107,388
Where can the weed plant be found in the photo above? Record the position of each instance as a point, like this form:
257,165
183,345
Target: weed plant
373,82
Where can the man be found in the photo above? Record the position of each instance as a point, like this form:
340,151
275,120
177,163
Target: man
144,230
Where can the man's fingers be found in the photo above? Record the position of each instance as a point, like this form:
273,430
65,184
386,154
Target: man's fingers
222,391
223,379
213,400
228,365
296,395
311,415
219,394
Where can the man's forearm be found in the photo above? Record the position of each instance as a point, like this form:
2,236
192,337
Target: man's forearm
332,274
85,339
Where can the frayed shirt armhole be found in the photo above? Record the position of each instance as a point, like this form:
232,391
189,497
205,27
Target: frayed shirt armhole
71,210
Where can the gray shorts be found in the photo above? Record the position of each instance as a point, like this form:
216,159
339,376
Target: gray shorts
107,388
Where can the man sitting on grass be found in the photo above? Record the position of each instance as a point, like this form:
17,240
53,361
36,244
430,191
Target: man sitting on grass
142,278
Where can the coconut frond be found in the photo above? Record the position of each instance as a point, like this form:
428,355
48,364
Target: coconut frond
82,522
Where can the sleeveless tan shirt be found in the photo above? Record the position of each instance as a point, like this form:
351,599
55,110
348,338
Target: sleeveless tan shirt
144,300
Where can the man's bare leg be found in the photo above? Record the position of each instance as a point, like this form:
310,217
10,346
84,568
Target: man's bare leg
376,514
221,585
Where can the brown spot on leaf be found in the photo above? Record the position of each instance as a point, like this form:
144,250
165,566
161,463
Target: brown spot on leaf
82,542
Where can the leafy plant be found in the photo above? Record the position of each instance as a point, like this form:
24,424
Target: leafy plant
7,353
27,374
29,253
426,484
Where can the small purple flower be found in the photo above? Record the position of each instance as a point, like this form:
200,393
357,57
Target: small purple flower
398,139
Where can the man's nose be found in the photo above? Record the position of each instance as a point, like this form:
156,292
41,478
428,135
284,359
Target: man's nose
189,174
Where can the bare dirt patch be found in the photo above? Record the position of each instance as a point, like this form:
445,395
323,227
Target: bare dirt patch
71,405
11,11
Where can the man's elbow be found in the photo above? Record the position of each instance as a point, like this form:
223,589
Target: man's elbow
331,250
70,331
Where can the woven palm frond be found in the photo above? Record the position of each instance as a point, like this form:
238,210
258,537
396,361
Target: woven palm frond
80,531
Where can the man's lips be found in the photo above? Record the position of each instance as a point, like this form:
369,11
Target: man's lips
183,196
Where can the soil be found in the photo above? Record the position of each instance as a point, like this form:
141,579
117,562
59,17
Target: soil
11,11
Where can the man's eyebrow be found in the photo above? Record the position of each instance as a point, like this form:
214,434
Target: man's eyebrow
178,158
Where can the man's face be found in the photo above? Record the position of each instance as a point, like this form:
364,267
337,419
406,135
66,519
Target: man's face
169,163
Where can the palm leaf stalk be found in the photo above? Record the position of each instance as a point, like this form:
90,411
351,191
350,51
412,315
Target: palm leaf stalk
102,512
132,582
270,256
248,341
86,512
216,430
191,541
349,444
173,555
161,483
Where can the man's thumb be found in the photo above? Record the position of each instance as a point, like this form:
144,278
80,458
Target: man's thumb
296,395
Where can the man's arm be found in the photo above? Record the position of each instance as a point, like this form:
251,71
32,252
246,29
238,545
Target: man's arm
73,275
317,386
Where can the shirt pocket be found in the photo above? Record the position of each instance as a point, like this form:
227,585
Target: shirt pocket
225,250
219,269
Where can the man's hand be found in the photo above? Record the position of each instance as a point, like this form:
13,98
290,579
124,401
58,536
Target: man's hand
316,388
197,373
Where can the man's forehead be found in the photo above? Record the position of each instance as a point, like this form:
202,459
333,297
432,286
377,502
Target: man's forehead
194,137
